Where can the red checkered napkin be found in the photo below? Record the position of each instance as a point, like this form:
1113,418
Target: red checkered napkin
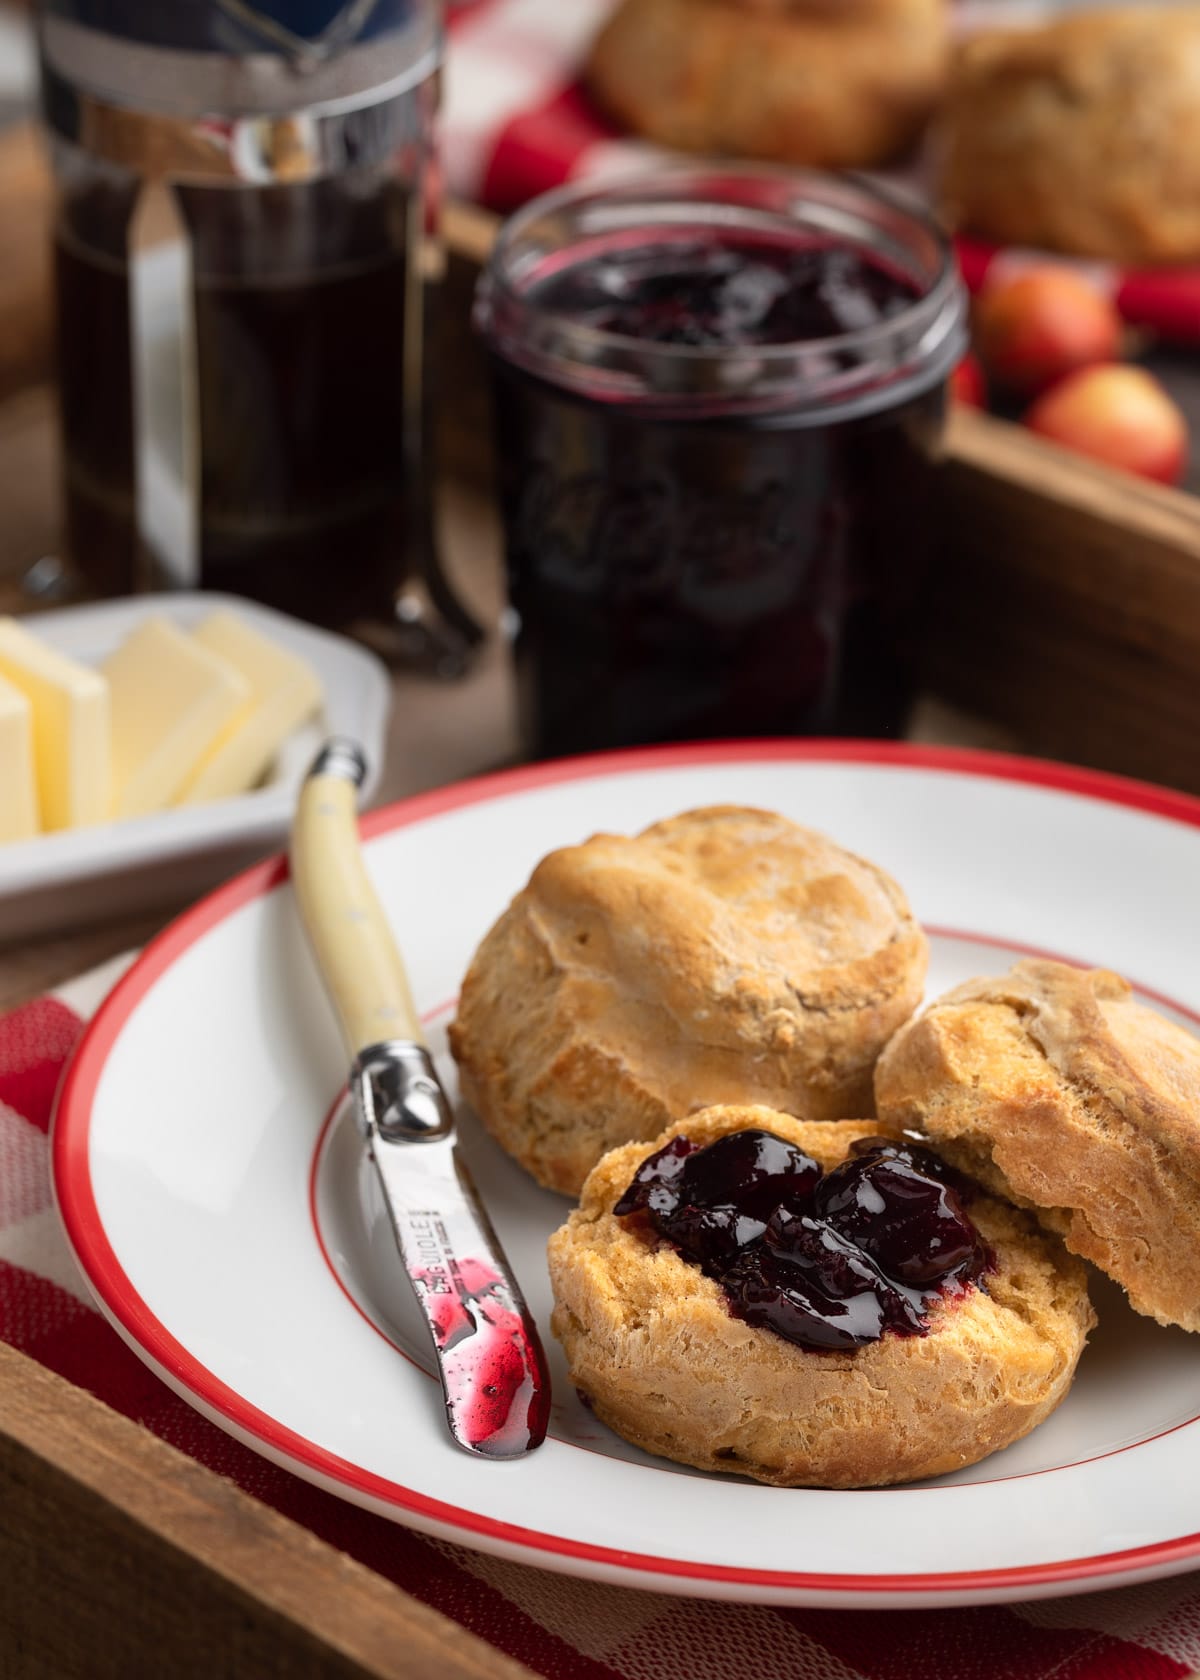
561,1628
516,122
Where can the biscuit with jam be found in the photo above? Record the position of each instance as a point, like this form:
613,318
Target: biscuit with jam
872,1327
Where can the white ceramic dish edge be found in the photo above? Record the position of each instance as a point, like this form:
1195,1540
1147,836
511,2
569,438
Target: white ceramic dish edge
66,879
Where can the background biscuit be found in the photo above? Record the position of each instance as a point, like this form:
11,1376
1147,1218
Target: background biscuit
726,955
1055,1087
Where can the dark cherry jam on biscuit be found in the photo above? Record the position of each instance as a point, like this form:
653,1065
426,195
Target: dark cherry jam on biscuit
830,1261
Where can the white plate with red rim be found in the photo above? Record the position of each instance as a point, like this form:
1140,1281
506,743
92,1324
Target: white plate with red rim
209,1188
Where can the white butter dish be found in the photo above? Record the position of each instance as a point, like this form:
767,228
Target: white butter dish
69,879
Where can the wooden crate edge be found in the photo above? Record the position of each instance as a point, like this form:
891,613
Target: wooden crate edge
111,1533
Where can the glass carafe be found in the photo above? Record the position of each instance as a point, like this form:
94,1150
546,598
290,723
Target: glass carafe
245,243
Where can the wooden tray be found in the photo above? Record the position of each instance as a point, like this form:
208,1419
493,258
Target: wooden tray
120,1557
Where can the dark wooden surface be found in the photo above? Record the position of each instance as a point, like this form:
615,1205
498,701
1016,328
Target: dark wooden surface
1068,610
25,333
122,1558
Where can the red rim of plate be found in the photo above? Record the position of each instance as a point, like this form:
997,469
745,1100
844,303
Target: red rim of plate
149,1336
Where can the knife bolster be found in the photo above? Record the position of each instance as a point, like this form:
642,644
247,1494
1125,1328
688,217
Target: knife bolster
398,1096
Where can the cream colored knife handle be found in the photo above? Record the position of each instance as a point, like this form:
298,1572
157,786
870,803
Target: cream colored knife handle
356,953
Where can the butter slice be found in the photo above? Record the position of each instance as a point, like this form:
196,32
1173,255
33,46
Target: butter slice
171,699
70,727
18,788
284,691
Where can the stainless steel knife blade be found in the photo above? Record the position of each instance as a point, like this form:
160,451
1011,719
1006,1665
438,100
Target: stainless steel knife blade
489,1355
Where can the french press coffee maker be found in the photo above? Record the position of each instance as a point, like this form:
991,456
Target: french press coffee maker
245,243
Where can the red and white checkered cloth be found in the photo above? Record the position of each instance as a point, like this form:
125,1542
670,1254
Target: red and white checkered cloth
516,121
560,1628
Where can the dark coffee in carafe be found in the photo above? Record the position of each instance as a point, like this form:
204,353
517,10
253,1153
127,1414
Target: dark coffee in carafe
242,255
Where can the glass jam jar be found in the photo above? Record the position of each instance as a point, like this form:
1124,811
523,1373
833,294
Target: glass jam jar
719,398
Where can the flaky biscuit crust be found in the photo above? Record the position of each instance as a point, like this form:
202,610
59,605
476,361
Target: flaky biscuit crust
1054,1087
845,85
726,955
649,1339
1082,136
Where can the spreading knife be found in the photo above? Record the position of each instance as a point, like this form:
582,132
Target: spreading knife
489,1356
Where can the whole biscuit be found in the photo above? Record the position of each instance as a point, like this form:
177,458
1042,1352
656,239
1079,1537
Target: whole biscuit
844,85
650,1341
1082,135
726,955
1054,1087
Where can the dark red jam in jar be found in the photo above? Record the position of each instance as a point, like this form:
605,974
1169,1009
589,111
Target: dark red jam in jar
718,401
830,1261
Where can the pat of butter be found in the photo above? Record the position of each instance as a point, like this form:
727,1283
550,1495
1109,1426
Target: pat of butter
18,801
171,699
284,691
70,727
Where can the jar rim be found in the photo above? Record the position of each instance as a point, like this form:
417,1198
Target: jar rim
919,342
